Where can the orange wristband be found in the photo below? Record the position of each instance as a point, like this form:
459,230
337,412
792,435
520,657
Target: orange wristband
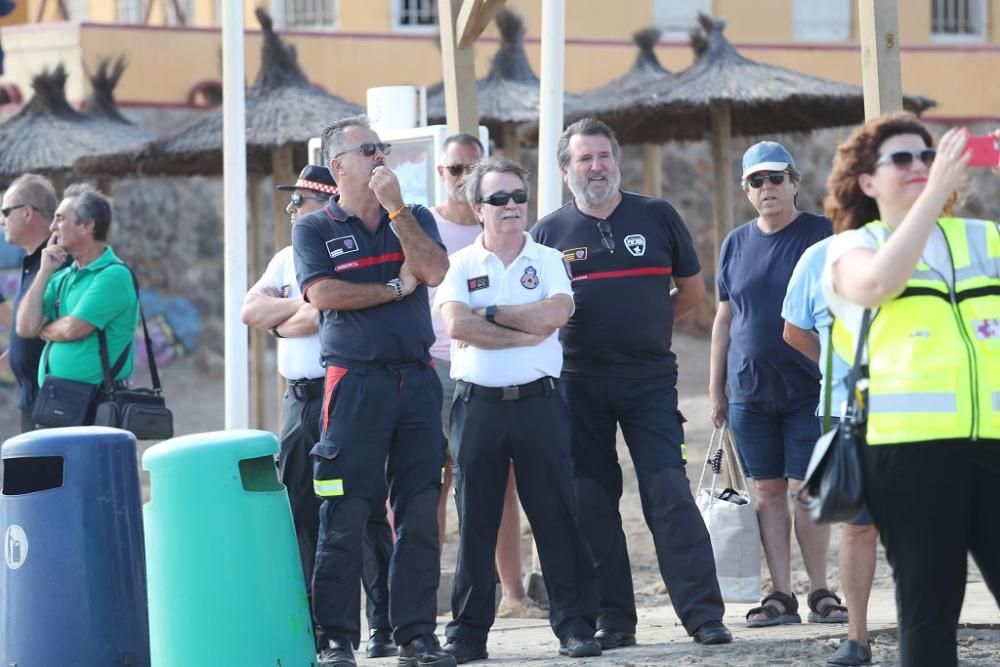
395,214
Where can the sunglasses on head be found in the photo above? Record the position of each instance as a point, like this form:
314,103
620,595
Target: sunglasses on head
501,198
367,149
10,209
607,240
756,181
297,199
457,170
903,159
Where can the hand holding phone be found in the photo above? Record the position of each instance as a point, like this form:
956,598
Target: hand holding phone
985,151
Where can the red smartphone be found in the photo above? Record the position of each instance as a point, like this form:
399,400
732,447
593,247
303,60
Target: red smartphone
985,151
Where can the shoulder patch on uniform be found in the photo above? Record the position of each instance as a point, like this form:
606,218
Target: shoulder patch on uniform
636,244
575,254
529,279
341,246
478,283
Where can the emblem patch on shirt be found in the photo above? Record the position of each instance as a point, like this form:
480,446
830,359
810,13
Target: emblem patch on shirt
529,280
478,283
575,254
636,244
986,329
341,246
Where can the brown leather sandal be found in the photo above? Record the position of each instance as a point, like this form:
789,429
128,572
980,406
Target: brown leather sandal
818,615
775,616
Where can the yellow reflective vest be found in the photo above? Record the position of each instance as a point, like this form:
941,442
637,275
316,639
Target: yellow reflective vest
934,350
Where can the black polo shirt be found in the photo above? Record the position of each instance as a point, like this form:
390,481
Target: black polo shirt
25,353
329,243
624,317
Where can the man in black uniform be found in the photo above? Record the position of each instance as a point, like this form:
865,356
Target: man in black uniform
623,250
28,207
365,262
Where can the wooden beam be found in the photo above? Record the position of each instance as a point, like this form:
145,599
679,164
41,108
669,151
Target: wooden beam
459,74
652,169
722,151
473,18
258,339
878,32
282,171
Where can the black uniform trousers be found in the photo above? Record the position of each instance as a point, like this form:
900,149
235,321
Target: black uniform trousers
652,426
381,427
487,434
934,504
300,412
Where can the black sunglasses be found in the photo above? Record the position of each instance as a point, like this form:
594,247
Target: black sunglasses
756,181
457,170
607,240
367,149
903,159
501,198
297,199
10,209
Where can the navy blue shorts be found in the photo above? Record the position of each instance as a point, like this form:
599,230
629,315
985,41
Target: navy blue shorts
775,440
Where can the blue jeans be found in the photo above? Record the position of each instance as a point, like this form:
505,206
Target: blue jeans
775,439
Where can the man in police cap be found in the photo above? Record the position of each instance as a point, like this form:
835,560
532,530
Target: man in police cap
275,304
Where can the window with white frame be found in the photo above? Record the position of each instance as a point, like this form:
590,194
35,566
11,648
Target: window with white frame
958,20
822,20
676,18
304,14
76,10
131,11
134,11
415,14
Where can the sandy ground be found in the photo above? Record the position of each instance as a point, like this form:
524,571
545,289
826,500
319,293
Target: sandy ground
194,388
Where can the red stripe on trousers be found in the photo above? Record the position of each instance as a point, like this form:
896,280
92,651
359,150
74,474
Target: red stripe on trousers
334,374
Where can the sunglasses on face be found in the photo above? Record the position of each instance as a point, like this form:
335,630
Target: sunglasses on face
457,170
297,200
10,209
756,181
501,198
904,159
607,240
367,149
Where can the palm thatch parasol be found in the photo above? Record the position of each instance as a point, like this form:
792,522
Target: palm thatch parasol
48,135
283,110
508,95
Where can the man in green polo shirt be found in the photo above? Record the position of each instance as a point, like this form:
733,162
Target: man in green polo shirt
66,307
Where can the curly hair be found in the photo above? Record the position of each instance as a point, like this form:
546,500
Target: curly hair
845,204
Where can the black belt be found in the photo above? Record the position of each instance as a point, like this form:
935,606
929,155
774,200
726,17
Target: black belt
306,390
540,386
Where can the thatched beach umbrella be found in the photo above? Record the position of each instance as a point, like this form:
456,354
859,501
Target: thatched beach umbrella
48,135
724,94
508,96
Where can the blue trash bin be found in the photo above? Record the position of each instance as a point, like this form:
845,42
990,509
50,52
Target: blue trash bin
73,578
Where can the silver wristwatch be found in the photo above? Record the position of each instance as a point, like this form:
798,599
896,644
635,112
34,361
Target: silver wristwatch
397,285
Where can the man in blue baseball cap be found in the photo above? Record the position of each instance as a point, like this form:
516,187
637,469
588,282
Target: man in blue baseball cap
764,389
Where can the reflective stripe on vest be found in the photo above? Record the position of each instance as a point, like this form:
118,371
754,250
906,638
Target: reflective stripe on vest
934,351
326,488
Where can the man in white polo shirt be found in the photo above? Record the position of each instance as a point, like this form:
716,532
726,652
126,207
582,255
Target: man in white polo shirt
502,302
274,304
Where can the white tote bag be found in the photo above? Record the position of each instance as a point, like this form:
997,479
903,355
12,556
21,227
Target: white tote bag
731,519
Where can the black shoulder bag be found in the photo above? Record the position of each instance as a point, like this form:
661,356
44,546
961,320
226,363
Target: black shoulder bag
834,482
143,412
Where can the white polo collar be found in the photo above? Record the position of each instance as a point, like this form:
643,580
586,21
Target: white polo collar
531,250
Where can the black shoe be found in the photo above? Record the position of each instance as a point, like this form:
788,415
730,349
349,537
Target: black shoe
580,647
713,632
425,652
465,650
380,644
609,639
338,653
849,654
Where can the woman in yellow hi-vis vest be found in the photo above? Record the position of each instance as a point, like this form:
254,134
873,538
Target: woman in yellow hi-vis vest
932,464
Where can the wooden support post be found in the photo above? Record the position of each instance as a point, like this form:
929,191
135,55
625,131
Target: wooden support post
282,171
58,181
459,72
511,142
258,339
652,169
472,19
104,184
878,32
722,150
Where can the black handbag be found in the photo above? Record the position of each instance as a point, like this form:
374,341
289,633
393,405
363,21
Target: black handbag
143,412
834,482
63,402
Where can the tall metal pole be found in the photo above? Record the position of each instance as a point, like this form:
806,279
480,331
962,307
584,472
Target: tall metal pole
550,124
237,394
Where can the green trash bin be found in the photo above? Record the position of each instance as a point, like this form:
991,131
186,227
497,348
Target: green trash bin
222,564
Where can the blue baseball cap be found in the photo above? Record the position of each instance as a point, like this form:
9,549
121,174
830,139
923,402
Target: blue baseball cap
767,156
